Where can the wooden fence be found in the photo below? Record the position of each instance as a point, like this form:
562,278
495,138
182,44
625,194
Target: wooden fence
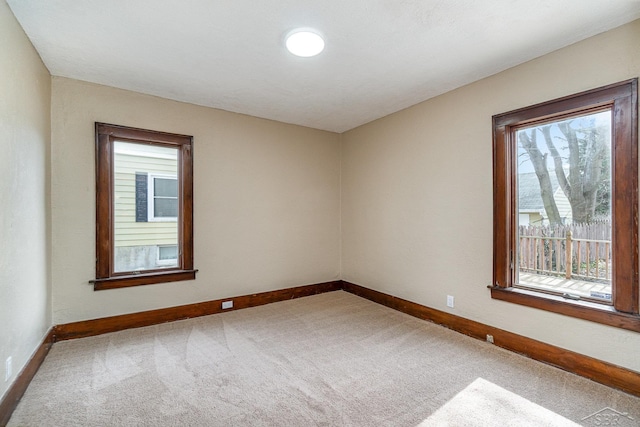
581,251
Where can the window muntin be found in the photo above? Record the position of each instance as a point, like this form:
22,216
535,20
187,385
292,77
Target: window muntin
621,310
144,200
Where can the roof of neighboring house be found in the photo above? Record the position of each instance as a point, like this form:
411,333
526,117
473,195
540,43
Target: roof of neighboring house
529,198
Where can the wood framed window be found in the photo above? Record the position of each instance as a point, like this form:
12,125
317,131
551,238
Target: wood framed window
565,224
144,207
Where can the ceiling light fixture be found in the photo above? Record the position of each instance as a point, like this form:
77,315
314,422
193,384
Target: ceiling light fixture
304,42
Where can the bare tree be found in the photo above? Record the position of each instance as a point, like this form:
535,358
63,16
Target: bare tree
539,161
586,182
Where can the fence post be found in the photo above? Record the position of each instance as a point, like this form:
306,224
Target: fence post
568,255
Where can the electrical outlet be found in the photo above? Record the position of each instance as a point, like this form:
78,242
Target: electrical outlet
8,368
449,301
490,338
227,304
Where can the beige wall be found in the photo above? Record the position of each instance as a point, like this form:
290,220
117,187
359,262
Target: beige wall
266,201
25,292
411,180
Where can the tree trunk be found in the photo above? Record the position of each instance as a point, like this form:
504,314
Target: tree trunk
539,161
583,184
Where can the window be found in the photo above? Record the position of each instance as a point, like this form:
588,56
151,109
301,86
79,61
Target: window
566,206
144,207
167,255
163,198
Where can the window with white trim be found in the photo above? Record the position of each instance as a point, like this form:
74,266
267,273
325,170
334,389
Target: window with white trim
162,198
167,255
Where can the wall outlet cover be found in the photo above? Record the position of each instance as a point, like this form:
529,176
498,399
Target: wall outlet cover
8,368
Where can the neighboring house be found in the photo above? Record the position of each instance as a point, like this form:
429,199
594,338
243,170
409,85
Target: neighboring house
530,206
145,207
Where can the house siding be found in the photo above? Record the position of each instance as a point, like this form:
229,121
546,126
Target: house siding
128,231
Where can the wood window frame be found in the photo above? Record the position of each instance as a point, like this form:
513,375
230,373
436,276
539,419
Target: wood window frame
106,278
622,99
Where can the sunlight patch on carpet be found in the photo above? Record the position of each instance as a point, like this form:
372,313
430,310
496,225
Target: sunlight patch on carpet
483,403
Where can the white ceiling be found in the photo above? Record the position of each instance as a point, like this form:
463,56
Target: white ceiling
381,55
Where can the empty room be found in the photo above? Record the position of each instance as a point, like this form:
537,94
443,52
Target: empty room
329,213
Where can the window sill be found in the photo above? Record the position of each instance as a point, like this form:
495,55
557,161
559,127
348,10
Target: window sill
143,279
585,310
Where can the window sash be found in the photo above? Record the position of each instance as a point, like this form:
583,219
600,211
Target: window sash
152,197
163,260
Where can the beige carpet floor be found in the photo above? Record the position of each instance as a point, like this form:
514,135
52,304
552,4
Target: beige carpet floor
328,360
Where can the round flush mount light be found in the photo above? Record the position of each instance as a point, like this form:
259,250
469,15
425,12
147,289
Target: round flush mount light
304,42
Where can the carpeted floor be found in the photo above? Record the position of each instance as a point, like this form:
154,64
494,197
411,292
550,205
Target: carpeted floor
328,360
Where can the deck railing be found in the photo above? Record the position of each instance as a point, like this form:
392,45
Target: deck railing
566,256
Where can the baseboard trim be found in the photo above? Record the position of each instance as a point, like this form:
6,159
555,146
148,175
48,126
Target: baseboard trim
597,370
105,325
13,395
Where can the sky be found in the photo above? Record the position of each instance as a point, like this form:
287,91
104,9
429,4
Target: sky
525,165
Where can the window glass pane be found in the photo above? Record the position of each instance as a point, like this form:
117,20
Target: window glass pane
167,252
564,206
136,234
166,187
165,208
